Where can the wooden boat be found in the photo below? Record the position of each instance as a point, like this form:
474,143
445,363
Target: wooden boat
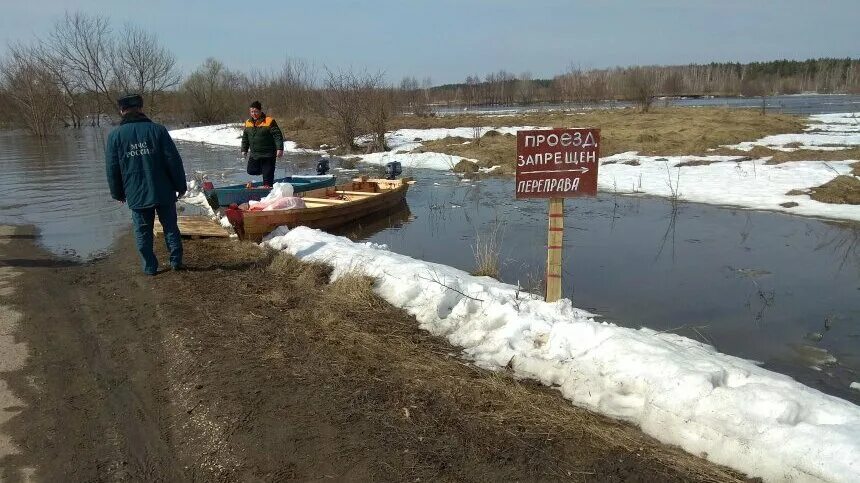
325,208
240,193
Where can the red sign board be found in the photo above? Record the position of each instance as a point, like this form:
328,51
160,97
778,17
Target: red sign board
557,163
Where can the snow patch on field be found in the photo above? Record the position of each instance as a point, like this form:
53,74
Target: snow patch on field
728,181
225,135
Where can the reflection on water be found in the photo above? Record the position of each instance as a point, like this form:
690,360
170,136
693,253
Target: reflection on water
60,186
781,290
392,218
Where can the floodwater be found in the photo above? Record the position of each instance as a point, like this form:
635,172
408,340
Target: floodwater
804,104
781,290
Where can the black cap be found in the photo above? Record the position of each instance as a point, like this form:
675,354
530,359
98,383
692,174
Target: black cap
256,105
130,100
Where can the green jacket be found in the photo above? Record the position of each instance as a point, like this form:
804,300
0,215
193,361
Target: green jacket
143,165
263,137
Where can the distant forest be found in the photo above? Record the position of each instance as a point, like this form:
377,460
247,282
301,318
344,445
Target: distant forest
826,76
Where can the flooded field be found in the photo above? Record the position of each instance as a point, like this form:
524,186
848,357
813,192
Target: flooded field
804,104
781,290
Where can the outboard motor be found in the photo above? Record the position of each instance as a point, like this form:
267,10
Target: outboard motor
393,170
322,166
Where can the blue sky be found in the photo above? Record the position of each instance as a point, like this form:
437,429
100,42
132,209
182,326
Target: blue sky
448,39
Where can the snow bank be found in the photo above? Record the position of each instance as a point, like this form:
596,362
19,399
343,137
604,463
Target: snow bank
225,135
412,138
832,141
402,141
194,196
748,184
680,391
835,132
736,181
852,118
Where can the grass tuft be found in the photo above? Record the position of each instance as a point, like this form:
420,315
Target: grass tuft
487,250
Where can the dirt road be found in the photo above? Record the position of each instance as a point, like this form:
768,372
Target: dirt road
251,367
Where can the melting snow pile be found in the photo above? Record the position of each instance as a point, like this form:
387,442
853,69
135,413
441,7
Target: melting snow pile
825,132
402,141
678,390
224,135
194,196
728,180
744,182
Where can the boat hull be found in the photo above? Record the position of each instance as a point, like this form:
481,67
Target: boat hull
327,208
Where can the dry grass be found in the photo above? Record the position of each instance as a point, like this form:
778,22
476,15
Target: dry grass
695,162
338,356
840,190
303,274
493,151
667,131
464,166
423,385
778,157
671,131
488,245
309,132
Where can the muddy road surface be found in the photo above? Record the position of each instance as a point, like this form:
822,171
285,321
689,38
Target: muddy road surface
251,366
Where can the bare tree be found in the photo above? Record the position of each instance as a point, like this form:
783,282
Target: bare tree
299,79
640,86
85,45
70,85
32,89
525,88
291,90
143,66
673,84
426,85
414,97
342,94
212,92
378,104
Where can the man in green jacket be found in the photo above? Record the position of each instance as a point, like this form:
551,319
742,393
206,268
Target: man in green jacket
263,138
145,171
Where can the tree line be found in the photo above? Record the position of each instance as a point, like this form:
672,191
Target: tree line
825,76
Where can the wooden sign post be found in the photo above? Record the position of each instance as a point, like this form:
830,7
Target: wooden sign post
556,164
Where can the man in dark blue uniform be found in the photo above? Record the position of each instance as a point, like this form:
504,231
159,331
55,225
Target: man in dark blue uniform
145,171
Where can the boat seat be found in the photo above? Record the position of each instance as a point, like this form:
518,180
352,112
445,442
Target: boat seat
322,201
358,193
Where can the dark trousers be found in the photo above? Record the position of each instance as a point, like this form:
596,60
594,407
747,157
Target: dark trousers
263,165
144,220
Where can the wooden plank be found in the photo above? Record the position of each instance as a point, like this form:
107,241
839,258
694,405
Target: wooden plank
323,201
359,193
555,241
197,227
